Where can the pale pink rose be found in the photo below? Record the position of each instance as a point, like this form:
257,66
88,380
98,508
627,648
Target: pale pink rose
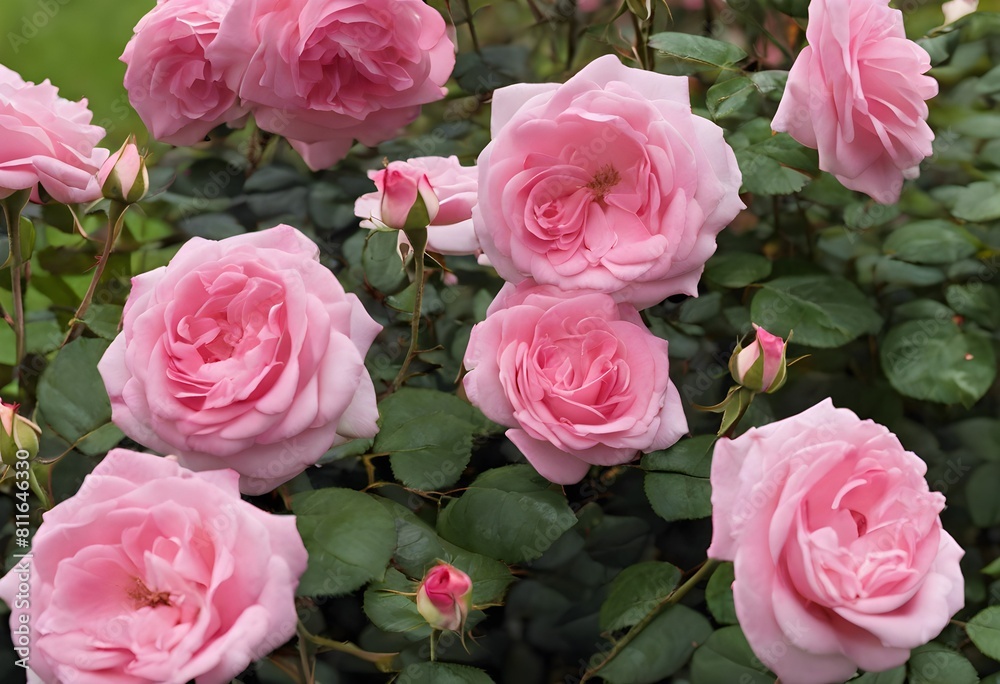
761,365
47,142
444,597
323,73
154,574
244,353
841,560
451,231
124,176
857,94
577,376
179,94
607,182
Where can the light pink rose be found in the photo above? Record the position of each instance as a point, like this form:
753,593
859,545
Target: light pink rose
124,176
323,73
841,561
246,354
444,597
456,186
154,574
761,365
47,142
857,94
606,183
577,376
179,94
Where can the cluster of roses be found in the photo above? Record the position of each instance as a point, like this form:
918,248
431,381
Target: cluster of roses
244,358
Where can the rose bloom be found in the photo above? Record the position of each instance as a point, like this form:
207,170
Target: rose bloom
607,182
48,143
841,561
177,92
244,353
154,574
856,93
323,73
456,186
577,376
444,597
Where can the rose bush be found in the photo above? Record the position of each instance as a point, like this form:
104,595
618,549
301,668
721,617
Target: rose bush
840,559
153,573
607,182
243,354
577,378
50,145
857,94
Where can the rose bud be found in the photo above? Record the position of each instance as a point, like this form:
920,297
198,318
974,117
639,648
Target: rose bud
445,597
408,199
124,177
761,365
17,434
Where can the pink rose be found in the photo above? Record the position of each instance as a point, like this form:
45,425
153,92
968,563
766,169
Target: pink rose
124,177
153,573
606,183
856,93
444,597
761,365
456,186
841,561
48,142
577,376
179,94
246,354
323,73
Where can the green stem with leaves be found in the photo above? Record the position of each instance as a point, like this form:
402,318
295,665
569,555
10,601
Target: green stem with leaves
672,598
12,207
418,240
116,215
384,662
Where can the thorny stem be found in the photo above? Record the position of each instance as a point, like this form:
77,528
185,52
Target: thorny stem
418,300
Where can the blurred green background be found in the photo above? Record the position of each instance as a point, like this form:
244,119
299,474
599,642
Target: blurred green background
76,45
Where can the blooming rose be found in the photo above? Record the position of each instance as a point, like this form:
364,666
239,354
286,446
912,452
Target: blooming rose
856,94
179,94
246,354
444,597
456,186
325,72
841,561
48,142
606,183
577,375
154,574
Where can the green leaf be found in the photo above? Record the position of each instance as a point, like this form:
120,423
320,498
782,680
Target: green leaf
930,242
350,539
391,611
979,202
727,658
765,175
888,270
635,592
692,456
737,269
507,513
938,664
429,437
894,676
441,673
978,301
72,392
661,648
719,594
382,264
980,492
984,630
730,98
936,360
684,53
679,497
700,309
824,311
103,320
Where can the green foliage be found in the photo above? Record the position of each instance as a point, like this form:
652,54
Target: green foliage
635,592
661,649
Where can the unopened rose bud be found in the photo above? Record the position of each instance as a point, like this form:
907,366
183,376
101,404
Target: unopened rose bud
408,199
761,365
17,435
444,597
956,9
124,177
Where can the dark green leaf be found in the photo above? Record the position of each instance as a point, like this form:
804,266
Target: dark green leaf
692,456
685,53
984,630
635,592
978,301
661,648
441,673
981,493
72,392
719,594
726,658
679,497
737,269
930,242
382,263
978,202
391,610
938,664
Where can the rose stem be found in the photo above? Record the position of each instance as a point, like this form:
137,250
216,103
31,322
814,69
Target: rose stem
673,597
418,300
12,207
116,214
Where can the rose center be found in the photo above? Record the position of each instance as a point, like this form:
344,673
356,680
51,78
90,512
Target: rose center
861,521
144,597
604,180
